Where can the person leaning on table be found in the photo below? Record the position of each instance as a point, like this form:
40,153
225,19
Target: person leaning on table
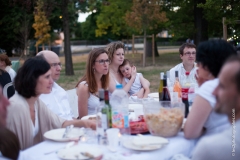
28,117
224,145
202,119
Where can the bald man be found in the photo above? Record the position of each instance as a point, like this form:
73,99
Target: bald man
57,100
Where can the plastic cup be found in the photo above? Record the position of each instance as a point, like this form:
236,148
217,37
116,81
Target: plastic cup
113,139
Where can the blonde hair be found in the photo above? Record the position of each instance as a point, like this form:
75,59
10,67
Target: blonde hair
112,47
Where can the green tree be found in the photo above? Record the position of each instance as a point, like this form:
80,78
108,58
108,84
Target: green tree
16,19
145,14
215,10
41,25
111,20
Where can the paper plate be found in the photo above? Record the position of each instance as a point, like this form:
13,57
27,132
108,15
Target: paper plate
57,134
130,145
153,95
149,140
74,153
88,117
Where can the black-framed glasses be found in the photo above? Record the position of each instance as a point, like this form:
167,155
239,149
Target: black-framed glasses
56,64
189,53
102,61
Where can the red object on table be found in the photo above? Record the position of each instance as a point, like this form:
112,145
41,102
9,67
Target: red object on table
139,126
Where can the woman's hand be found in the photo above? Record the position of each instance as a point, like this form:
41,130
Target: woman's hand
89,124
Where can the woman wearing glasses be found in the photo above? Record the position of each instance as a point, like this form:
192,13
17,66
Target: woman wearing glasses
95,78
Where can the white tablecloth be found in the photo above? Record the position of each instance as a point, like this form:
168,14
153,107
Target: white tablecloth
177,145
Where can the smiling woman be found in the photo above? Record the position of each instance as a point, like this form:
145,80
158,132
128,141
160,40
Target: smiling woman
28,117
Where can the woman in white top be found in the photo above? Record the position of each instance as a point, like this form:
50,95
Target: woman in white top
116,56
202,118
95,78
5,64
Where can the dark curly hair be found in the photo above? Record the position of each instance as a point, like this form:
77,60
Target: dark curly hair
27,76
212,54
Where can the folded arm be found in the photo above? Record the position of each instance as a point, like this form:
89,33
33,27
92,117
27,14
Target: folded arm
200,111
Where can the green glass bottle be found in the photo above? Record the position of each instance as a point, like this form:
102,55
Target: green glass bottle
108,109
160,88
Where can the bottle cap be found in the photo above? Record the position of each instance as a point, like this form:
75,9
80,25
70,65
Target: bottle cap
119,86
176,73
161,75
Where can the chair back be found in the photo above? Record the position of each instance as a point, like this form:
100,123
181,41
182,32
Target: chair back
73,101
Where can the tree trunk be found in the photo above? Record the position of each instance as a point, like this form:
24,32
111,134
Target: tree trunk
200,23
149,49
67,47
144,47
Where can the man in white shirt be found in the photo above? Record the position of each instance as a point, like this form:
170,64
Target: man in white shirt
57,100
188,55
225,145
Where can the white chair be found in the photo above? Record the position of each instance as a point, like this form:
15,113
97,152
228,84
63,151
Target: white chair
5,89
73,101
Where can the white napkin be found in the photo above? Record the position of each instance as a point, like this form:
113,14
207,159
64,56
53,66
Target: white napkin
149,140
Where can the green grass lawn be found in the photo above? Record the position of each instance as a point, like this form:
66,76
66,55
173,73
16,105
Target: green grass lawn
151,72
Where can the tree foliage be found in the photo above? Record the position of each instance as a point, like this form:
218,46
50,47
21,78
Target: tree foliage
41,24
145,14
111,18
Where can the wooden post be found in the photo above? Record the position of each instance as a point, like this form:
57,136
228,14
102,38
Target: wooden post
224,28
132,43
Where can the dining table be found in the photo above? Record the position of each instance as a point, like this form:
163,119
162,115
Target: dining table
47,150
177,145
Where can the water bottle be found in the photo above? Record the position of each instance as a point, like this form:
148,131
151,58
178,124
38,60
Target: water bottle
191,94
119,103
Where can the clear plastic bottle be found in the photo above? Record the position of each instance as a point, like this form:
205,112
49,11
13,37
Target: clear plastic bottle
192,94
119,103
177,87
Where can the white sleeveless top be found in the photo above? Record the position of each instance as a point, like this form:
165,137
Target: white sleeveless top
216,122
36,126
93,101
136,86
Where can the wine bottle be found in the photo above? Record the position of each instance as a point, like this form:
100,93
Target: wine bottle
108,108
165,93
160,89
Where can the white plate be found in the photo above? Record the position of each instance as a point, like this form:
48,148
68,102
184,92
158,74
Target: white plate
87,117
153,95
56,134
74,153
130,145
143,141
